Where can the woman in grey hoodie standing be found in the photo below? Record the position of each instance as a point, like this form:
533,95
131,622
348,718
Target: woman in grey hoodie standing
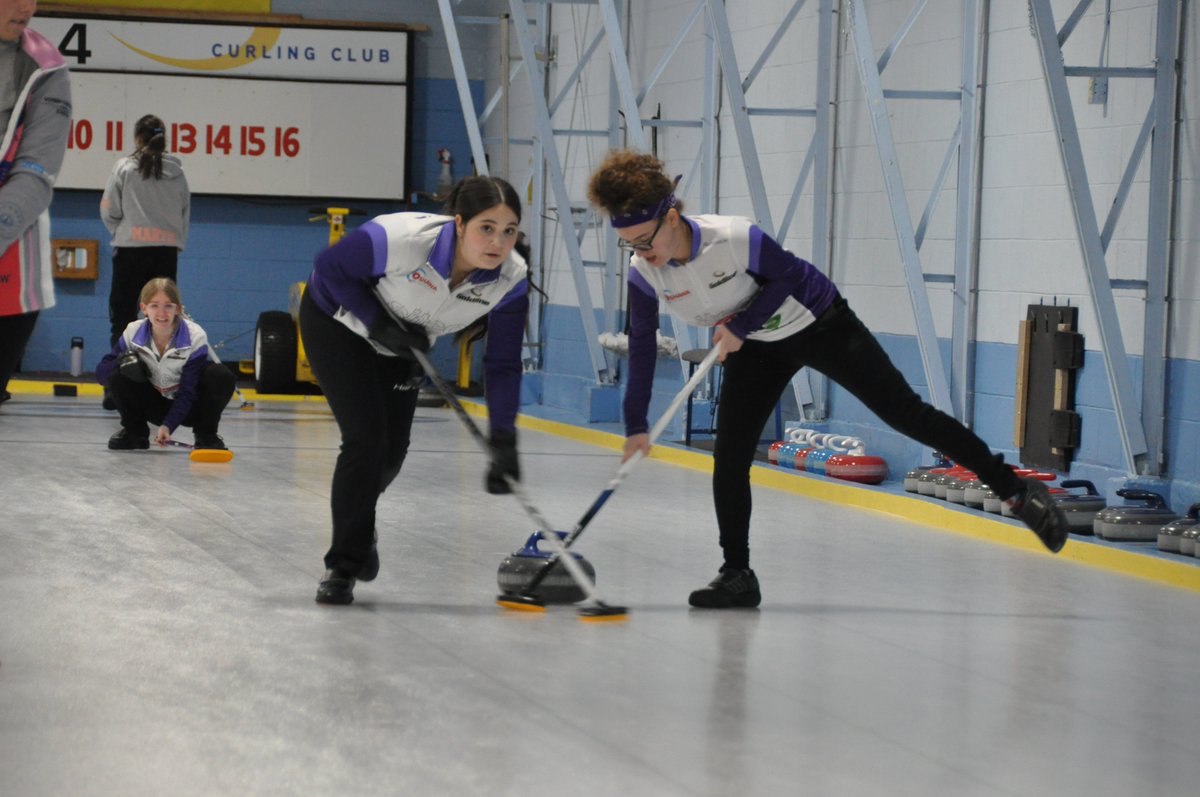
145,206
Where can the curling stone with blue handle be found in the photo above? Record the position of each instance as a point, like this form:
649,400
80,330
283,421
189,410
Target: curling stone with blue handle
517,570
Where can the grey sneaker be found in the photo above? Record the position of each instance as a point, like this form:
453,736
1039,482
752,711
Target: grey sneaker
731,589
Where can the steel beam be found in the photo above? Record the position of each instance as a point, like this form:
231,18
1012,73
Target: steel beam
1129,424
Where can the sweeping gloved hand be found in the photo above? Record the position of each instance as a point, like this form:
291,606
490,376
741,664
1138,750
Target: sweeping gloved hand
504,463
400,339
132,367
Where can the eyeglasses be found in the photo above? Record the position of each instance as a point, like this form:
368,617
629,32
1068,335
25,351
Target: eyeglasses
642,246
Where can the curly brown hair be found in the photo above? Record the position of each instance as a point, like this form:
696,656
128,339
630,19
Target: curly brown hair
629,180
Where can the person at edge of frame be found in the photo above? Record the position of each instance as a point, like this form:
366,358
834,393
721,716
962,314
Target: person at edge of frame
390,286
773,314
35,115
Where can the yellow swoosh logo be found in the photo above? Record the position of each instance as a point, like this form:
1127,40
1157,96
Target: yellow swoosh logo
260,39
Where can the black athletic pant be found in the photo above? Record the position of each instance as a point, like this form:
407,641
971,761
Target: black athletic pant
133,267
840,346
140,403
373,399
15,332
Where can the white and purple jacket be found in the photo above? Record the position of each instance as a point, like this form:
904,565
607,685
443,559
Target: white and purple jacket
31,155
175,374
737,275
399,263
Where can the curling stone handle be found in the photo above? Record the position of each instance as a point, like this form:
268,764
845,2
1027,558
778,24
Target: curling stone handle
1155,500
1084,483
531,545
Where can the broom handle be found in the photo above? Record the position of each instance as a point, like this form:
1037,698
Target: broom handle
558,548
655,432
626,466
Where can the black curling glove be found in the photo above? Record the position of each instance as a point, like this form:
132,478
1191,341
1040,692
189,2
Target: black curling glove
132,368
400,339
504,463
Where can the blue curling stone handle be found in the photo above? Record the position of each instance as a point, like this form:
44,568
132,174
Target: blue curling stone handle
532,550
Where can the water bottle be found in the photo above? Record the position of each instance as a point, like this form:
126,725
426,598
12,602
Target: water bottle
76,356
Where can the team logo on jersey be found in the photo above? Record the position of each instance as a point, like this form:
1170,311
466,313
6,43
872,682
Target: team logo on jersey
772,323
671,297
474,295
720,278
420,278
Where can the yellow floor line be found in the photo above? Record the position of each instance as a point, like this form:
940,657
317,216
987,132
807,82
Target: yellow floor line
38,387
1182,574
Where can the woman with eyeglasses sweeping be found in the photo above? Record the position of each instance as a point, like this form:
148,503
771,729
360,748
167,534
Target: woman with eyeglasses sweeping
773,314
387,288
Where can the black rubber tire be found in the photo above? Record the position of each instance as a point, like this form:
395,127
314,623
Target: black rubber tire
275,353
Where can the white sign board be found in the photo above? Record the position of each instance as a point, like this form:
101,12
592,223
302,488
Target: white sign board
306,112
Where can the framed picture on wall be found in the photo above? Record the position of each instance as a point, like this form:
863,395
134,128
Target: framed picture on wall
75,259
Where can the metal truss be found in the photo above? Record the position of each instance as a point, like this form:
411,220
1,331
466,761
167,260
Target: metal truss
628,126
1141,437
961,155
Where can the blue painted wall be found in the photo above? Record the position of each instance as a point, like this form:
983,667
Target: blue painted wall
242,254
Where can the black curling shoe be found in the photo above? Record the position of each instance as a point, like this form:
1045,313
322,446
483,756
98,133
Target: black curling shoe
732,589
371,569
1035,506
128,440
213,441
336,588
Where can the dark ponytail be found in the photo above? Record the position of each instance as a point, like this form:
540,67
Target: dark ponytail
152,134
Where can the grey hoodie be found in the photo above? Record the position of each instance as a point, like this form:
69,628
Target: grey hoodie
141,211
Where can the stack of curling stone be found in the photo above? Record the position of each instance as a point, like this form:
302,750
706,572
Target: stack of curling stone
1133,523
1189,541
1079,508
910,478
973,492
1179,534
517,570
951,478
956,488
788,455
958,485
927,481
861,468
826,454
